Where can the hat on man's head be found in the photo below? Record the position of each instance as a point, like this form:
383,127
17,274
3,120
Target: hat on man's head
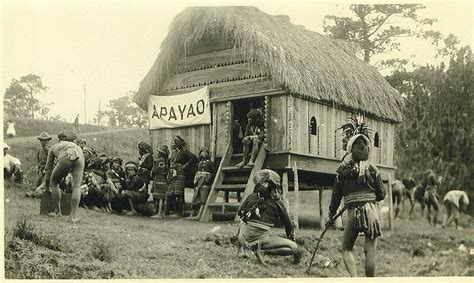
118,159
179,140
144,146
351,141
164,149
67,135
131,164
89,150
44,136
265,175
102,155
6,146
204,149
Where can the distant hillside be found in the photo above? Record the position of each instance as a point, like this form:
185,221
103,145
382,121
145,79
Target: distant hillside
30,127
117,143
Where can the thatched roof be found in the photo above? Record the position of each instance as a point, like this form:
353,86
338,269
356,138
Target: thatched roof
304,62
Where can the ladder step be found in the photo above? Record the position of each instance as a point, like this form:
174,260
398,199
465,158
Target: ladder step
226,204
236,169
231,187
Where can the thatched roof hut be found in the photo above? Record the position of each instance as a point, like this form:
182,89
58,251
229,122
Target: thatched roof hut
303,62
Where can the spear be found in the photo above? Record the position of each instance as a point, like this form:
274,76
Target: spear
331,221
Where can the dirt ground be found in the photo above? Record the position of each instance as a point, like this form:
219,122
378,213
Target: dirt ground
113,246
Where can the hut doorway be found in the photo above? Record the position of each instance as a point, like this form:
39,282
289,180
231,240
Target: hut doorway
239,119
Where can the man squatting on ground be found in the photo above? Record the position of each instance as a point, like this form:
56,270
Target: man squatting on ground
202,182
258,213
359,182
69,159
455,201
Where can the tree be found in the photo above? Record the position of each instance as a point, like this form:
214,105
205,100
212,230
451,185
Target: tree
20,99
371,29
124,112
437,131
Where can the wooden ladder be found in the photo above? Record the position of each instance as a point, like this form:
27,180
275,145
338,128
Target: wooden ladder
231,179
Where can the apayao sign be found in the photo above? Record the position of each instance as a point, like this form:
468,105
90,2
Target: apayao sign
182,110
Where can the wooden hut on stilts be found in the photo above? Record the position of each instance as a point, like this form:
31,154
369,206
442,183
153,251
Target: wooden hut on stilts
306,85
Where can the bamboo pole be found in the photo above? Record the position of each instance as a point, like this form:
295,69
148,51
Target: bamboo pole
321,210
390,203
284,184
297,197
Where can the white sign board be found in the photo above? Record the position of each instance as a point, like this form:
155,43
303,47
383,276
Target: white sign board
182,110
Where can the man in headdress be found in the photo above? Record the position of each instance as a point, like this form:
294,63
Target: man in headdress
253,137
258,213
181,162
360,183
202,182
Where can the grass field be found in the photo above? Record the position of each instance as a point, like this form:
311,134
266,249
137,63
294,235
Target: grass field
29,127
113,246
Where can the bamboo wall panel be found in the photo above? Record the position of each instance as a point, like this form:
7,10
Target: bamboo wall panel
328,120
277,123
195,137
222,128
300,126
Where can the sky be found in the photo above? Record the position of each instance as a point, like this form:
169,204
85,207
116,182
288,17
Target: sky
109,46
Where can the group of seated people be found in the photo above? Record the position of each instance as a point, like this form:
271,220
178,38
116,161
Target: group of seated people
151,185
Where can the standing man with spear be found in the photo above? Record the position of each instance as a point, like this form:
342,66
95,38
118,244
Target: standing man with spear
359,182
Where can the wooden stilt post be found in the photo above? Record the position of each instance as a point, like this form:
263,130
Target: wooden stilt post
297,196
321,209
390,203
284,184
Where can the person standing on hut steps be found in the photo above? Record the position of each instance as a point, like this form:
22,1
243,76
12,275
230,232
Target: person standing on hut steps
69,158
181,161
258,213
159,185
253,137
359,182
202,183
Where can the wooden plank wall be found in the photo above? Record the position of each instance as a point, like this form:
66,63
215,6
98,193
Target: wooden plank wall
195,137
277,126
328,119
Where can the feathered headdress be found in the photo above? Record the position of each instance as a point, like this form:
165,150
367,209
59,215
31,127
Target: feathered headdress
352,127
